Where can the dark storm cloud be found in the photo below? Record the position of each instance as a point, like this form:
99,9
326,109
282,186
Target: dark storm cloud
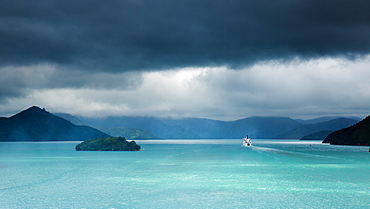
16,82
150,35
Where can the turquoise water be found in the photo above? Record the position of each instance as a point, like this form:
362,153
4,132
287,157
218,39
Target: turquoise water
185,174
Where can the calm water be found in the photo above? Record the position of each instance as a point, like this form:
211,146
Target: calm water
186,174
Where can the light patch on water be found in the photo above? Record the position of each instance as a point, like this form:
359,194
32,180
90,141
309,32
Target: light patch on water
339,166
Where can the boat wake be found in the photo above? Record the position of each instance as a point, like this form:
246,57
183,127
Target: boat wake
288,153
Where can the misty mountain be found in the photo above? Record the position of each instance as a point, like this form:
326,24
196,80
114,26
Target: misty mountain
256,127
69,118
331,125
198,127
149,124
194,128
320,135
114,129
201,128
263,127
358,134
130,133
324,119
36,124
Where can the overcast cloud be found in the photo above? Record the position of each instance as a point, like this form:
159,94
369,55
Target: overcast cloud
215,59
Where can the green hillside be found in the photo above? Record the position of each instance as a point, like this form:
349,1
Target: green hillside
358,134
36,124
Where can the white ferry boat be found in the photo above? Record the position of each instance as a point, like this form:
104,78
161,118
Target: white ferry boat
247,142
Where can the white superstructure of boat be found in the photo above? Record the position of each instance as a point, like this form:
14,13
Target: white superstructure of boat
247,142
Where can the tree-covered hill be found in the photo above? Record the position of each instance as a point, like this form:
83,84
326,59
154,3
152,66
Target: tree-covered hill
358,134
36,124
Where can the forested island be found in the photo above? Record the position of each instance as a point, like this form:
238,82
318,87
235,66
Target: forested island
108,144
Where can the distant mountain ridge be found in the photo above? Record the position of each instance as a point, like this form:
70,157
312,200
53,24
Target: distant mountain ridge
153,125
306,129
36,124
197,128
320,135
324,119
200,128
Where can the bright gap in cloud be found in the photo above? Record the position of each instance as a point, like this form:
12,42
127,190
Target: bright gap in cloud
298,88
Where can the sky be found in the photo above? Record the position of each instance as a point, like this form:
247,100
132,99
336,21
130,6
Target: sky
197,58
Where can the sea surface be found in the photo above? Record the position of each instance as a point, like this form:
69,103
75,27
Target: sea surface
186,174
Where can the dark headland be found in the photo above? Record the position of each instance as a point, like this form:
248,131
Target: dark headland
108,144
358,134
36,124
